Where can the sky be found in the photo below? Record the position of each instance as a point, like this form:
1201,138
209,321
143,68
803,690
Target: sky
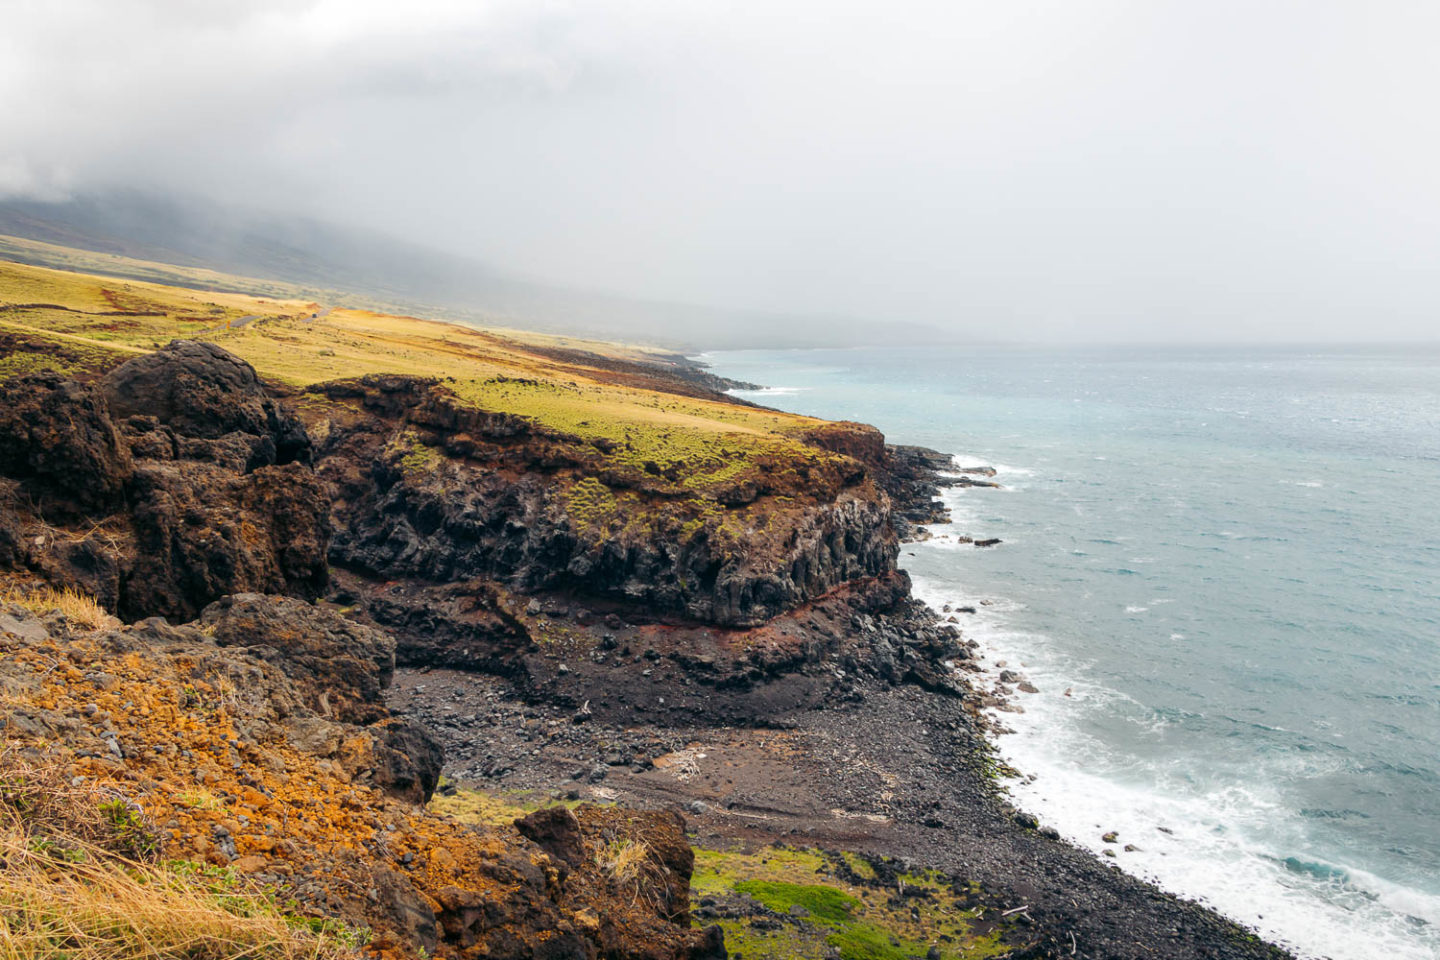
1067,170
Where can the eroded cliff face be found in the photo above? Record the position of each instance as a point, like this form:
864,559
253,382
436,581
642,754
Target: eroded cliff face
178,477
431,490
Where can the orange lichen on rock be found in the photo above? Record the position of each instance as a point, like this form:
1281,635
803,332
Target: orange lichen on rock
223,760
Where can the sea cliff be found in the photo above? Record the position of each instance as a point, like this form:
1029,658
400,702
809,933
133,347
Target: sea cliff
264,587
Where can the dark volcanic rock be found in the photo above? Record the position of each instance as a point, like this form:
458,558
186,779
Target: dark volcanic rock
192,460
56,436
340,666
408,760
12,550
913,476
88,563
556,831
458,624
858,440
491,503
203,531
201,390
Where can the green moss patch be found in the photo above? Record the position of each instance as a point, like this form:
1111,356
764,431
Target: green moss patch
824,904
782,903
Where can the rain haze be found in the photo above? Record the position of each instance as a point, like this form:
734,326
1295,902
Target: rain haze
1035,171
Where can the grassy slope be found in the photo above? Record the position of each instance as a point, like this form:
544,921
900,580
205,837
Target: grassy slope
701,443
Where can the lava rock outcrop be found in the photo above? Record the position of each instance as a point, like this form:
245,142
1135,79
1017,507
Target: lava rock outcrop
220,756
477,494
201,390
174,480
58,438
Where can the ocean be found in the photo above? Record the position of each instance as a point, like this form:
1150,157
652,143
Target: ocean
1221,569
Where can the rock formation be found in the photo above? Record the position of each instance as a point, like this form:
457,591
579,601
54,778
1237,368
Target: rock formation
187,496
466,494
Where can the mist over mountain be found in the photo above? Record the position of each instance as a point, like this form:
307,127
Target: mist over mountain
401,275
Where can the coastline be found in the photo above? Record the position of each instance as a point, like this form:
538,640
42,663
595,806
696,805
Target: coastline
1279,821
883,767
733,654
1196,845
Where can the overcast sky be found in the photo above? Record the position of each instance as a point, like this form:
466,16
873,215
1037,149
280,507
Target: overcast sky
1077,168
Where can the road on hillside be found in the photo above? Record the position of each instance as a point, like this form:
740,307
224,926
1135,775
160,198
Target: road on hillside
251,318
228,324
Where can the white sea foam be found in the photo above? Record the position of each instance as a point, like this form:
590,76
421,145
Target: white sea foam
768,392
1219,843
963,460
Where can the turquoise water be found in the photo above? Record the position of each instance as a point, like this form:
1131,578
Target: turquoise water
1230,559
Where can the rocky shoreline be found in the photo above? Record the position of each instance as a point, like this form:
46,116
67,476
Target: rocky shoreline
379,571
887,754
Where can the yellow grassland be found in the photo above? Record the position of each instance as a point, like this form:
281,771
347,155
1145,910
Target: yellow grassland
700,442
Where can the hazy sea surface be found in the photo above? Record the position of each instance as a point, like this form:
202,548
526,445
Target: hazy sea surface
1230,559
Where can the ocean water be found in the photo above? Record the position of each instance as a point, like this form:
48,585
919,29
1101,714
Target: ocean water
1221,568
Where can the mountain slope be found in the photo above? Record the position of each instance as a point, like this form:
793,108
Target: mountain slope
404,277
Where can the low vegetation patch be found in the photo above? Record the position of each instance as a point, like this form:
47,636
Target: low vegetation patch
479,806
79,608
782,903
80,880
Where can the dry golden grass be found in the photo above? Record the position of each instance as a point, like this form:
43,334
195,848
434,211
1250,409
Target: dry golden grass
79,608
108,309
99,907
699,443
494,370
36,799
72,886
624,860
121,269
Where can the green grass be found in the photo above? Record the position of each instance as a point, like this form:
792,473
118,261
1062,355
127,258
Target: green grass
590,505
824,904
697,445
21,363
413,456
844,908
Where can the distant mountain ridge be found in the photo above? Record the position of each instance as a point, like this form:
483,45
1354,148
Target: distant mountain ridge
408,277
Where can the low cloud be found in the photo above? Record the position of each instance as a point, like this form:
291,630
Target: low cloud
1040,170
